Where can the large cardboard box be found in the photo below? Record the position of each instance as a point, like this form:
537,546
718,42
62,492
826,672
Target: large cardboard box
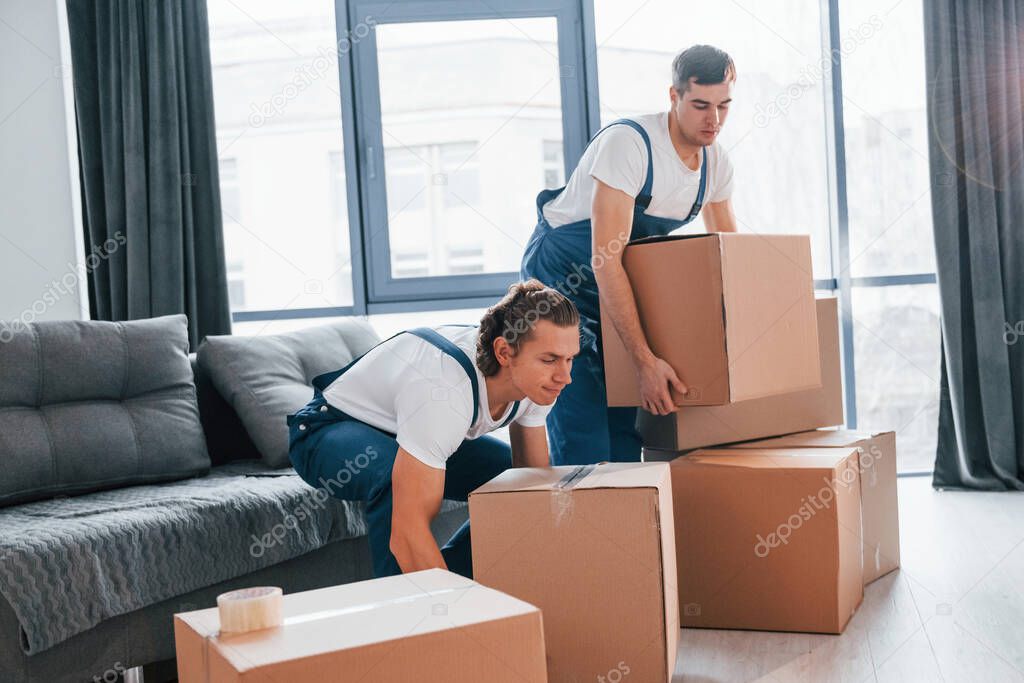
878,493
733,314
768,539
593,547
423,626
701,426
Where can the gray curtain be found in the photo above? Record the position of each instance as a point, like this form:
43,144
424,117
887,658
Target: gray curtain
974,59
148,160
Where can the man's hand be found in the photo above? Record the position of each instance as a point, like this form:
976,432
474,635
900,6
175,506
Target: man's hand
417,490
656,376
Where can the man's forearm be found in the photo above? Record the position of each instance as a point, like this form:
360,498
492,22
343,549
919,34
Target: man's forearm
719,217
416,549
618,303
529,446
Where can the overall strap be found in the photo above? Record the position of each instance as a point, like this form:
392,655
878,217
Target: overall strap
451,349
515,406
643,200
511,415
695,209
431,336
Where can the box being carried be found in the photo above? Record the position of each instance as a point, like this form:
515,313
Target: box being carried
733,314
423,626
768,539
701,426
593,547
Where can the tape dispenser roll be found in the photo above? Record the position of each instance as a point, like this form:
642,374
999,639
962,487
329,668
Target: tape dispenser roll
250,609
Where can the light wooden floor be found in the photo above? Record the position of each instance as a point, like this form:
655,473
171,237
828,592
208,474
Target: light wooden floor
954,612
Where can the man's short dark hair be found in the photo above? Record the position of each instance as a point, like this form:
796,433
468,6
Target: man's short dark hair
707,64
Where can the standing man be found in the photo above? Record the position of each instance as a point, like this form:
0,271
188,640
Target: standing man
637,178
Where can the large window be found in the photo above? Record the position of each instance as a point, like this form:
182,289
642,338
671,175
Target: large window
896,344
385,161
460,109
279,139
437,231
455,137
895,303
234,235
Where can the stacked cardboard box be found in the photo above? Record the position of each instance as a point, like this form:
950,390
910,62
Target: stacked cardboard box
703,426
424,626
768,539
877,463
594,548
776,534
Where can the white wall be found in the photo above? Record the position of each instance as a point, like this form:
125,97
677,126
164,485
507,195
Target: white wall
40,236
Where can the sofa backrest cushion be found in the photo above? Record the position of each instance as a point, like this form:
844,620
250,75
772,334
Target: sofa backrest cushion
226,438
267,378
91,405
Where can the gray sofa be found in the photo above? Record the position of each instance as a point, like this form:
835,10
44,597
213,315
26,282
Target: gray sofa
144,636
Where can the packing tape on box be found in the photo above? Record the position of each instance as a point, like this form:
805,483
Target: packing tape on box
561,496
246,595
327,613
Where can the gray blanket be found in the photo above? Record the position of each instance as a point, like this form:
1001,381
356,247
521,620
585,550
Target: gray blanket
69,563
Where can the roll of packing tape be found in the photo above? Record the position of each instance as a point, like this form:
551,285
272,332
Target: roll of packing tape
250,609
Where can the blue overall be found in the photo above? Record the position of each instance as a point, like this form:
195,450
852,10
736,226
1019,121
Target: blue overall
582,429
352,460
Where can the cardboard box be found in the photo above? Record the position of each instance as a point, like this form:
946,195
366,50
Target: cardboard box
879,504
732,313
768,539
593,547
423,626
701,426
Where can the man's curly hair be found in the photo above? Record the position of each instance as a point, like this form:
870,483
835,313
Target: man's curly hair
515,316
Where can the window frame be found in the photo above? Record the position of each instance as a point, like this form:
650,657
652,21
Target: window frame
381,290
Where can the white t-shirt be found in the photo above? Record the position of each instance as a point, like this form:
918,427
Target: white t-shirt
618,157
410,388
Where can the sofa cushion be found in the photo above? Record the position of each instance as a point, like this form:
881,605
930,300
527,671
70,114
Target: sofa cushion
70,564
226,438
90,405
267,378
105,559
